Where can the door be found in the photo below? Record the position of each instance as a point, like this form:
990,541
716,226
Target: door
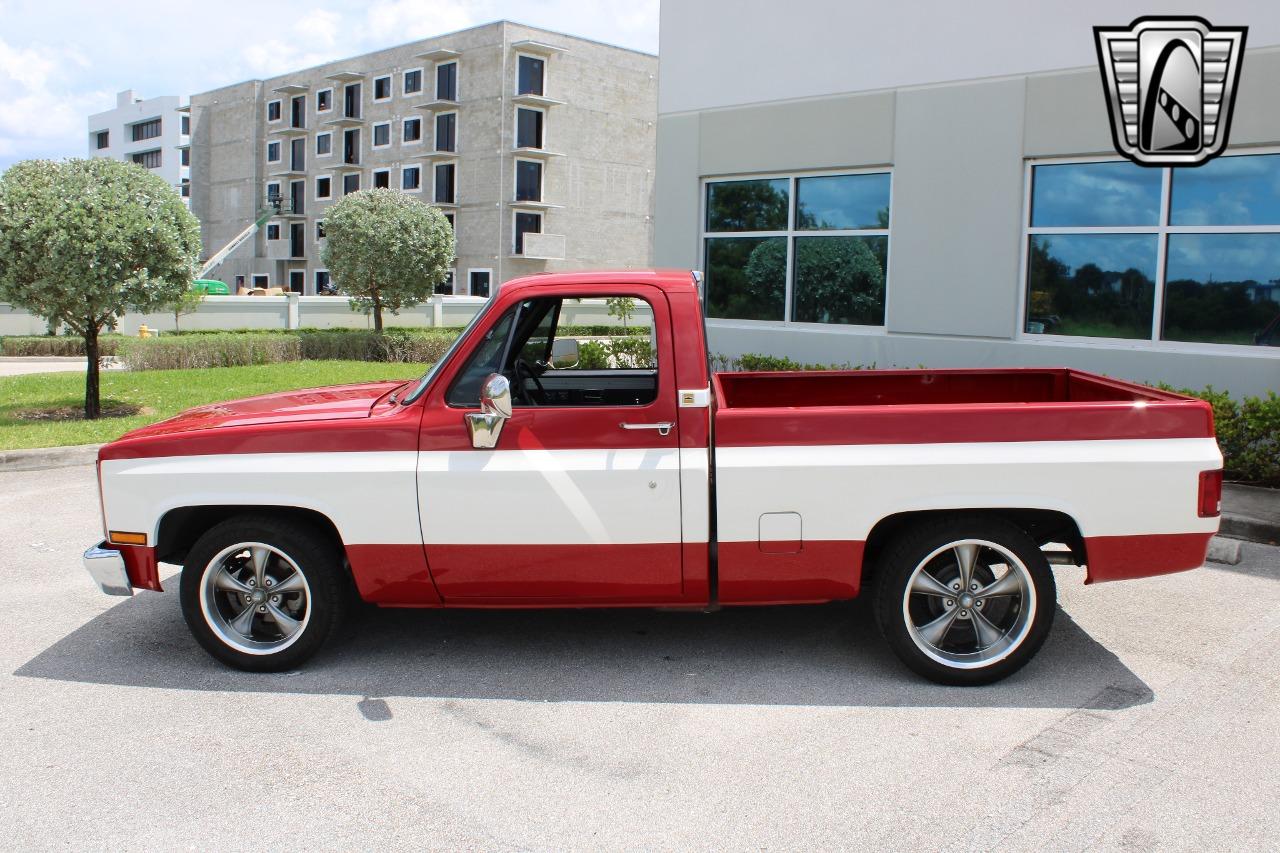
298,196
580,498
297,280
297,246
298,154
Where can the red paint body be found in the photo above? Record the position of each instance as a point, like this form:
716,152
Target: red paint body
747,410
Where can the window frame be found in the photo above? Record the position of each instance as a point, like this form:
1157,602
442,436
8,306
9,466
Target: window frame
373,136
790,234
102,139
515,181
254,277
457,78
373,178
329,153
391,89
141,158
315,279
471,271
517,212
418,188
278,103
1161,229
542,126
316,188
435,131
279,151
405,121
435,167
546,65
404,75
319,92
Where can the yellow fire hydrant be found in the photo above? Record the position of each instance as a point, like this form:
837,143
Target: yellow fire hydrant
144,332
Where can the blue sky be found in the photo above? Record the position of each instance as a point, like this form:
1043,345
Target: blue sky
62,60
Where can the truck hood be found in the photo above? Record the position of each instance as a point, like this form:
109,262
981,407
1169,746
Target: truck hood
340,402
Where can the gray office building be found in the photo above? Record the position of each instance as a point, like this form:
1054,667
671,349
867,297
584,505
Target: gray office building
936,184
538,147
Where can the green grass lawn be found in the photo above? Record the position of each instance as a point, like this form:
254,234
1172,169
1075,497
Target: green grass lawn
160,394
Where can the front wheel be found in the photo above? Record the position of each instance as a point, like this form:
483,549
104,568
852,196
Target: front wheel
965,600
262,595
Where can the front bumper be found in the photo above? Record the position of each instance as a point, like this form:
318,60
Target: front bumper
106,567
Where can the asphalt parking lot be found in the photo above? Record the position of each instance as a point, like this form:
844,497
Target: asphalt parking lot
1149,720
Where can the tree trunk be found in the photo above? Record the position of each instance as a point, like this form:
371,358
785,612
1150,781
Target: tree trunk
92,402
377,312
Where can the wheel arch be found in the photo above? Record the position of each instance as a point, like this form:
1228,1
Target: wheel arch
1042,525
180,527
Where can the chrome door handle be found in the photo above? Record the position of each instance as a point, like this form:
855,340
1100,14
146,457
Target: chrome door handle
663,428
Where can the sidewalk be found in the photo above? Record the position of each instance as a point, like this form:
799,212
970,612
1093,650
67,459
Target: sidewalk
1251,513
21,365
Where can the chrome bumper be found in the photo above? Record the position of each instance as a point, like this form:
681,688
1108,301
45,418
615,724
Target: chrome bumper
106,567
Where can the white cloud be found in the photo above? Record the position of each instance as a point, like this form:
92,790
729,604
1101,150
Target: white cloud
37,112
395,21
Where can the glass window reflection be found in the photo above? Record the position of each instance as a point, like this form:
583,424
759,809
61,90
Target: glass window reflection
842,201
1095,195
1098,285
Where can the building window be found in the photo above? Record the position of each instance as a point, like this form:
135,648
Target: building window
381,179
530,75
324,188
324,100
411,131
478,282
298,111
411,179
147,159
351,100
382,88
261,281
413,81
445,189
273,194
449,218
319,229
102,139
185,188
273,111
801,249
184,156
528,128
351,146
184,125
273,152
323,285
446,132
382,134
297,196
324,144
298,154
350,183
526,223
447,81
528,180
445,287
145,130
273,231
1190,255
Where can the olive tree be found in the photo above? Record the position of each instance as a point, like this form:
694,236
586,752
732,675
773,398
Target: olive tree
386,250
84,241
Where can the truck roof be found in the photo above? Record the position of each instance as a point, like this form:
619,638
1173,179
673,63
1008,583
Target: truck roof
666,279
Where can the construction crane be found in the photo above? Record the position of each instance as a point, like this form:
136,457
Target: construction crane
274,207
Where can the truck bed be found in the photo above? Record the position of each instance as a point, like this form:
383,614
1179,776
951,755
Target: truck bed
925,406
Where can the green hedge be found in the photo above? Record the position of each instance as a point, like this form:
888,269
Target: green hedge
751,362
177,352
1248,433
55,345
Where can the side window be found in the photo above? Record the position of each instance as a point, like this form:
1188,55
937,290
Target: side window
486,359
613,333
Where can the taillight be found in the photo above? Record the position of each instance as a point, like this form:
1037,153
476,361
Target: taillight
1210,494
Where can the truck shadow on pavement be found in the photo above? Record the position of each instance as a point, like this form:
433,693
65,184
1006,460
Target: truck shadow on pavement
824,655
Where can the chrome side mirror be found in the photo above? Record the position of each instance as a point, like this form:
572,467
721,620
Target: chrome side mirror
485,426
564,353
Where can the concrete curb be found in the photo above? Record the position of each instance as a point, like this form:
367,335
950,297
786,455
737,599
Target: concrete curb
1250,529
42,458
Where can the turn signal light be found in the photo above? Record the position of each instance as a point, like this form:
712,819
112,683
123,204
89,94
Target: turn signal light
119,537
1210,494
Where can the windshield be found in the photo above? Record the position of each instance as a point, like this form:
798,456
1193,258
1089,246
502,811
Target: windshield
425,381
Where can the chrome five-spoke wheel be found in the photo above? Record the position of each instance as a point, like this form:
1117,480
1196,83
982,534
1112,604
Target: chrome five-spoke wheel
264,594
964,600
255,598
969,603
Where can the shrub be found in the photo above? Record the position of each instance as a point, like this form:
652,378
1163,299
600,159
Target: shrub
1248,433
754,361
631,352
51,345
177,352
592,355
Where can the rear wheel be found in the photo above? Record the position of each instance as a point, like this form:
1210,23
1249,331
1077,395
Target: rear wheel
262,595
966,600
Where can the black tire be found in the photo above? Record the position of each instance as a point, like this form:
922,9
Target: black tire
961,658
316,558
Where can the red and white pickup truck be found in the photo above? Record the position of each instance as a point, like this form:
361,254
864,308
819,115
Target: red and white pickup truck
530,468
